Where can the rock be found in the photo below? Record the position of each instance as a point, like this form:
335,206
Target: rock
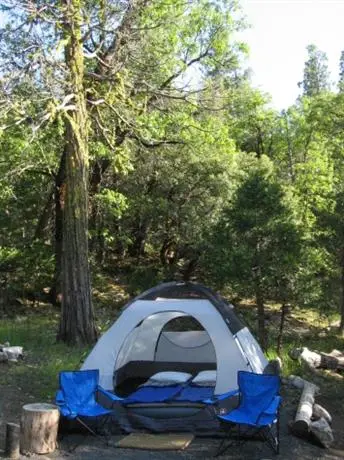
321,412
322,431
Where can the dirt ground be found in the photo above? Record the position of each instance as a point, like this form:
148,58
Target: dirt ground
86,447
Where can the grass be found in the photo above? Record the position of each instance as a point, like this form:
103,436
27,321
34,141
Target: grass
37,373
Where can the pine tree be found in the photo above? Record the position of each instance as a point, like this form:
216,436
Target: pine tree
341,73
316,74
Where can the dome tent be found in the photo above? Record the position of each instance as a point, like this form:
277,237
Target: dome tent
140,344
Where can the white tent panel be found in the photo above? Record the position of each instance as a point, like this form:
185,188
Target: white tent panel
252,350
228,356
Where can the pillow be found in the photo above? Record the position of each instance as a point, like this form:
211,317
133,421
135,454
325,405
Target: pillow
169,376
204,378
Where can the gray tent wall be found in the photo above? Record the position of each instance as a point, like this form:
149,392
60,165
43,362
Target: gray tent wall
140,325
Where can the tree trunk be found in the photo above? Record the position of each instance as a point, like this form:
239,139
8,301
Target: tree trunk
139,232
261,320
257,277
284,311
45,217
341,327
38,428
77,318
55,290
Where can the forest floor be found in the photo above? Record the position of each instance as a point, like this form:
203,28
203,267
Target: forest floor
34,379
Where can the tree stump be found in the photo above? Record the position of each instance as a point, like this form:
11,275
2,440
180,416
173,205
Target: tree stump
12,441
38,428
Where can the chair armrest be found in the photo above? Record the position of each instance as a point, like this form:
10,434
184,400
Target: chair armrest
214,399
64,409
113,397
59,398
273,406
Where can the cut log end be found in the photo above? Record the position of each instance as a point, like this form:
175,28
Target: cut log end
38,429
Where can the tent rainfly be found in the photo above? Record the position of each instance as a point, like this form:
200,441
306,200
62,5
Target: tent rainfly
153,334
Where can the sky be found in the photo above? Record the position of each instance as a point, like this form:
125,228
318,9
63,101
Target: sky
279,34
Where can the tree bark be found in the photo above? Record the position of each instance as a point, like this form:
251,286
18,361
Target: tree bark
284,311
38,428
45,217
261,320
56,290
12,440
341,326
77,318
139,233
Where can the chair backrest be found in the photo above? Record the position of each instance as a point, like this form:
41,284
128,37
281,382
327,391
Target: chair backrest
257,391
79,387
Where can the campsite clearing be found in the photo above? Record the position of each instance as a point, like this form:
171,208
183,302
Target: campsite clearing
34,379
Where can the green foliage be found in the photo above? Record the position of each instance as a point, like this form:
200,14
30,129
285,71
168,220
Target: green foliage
190,168
257,236
316,74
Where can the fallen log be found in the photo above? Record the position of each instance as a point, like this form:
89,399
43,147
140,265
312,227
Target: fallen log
13,353
319,360
299,382
305,410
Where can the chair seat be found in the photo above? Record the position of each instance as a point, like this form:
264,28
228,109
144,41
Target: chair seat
96,410
238,417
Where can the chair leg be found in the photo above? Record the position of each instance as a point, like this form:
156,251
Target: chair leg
277,434
91,431
87,427
270,439
226,443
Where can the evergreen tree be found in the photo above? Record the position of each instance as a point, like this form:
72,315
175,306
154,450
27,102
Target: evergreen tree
256,245
316,74
341,73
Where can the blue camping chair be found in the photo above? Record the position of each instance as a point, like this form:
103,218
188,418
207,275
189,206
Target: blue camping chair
76,396
258,410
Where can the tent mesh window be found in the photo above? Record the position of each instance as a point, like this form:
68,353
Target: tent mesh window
165,341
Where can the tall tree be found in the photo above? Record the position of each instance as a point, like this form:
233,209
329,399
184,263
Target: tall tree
77,321
315,74
341,73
